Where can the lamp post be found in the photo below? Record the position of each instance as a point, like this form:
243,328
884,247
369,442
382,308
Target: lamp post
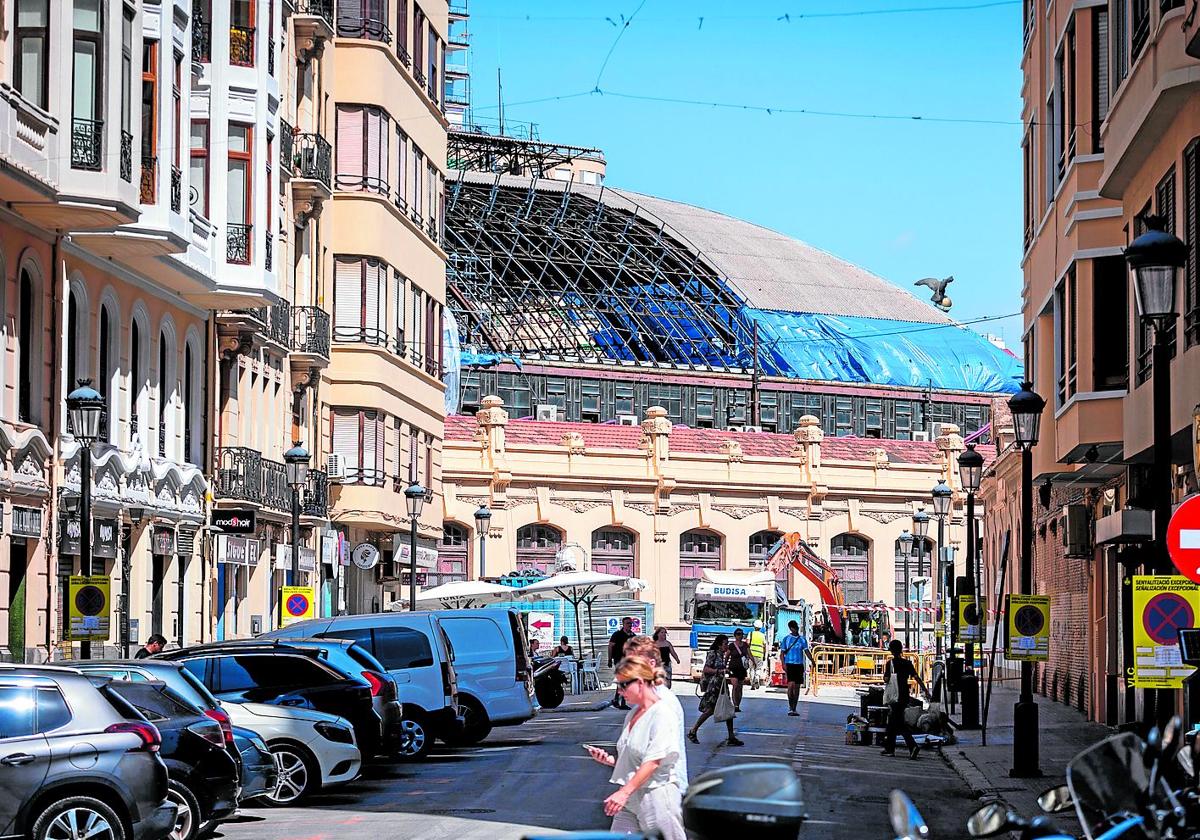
906,544
296,461
1026,407
942,496
1155,258
85,407
970,471
483,519
414,497
136,515
920,529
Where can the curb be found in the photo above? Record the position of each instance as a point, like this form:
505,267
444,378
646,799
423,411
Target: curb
598,706
972,776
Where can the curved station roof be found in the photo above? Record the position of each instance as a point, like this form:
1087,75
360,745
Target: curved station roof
551,270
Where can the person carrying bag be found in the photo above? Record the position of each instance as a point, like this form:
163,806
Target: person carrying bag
713,686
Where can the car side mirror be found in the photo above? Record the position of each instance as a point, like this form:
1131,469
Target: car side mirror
988,821
1055,799
907,822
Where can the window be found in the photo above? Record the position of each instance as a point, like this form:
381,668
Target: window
27,333
241,33
418,312
1069,92
850,557
418,190
359,300
1065,363
400,298
191,405
1139,26
1057,112
1191,236
1118,44
238,194
18,712
127,75
402,169
87,86
177,110
432,64
358,437
362,148
198,176
166,379
270,671
74,342
31,64
137,378
537,546
105,373
418,39
398,648
52,711
149,120
1101,77
402,30
363,19
1110,324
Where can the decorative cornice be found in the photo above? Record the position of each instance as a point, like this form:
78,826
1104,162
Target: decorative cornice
884,517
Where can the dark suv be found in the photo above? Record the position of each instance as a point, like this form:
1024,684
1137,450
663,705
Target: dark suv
69,756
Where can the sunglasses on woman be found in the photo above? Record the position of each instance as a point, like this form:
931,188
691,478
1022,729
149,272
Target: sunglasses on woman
623,684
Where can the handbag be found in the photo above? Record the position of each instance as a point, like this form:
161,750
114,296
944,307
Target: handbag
891,691
723,710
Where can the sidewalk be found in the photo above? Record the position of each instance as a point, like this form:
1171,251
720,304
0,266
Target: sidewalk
588,701
1063,733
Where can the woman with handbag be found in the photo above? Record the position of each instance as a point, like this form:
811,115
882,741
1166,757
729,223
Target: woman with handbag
896,675
714,699
739,666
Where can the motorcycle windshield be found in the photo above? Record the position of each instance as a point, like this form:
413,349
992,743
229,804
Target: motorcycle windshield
1108,782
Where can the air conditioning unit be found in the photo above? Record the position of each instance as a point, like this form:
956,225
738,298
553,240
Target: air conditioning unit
335,467
735,428
920,435
547,412
751,428
627,420
1077,531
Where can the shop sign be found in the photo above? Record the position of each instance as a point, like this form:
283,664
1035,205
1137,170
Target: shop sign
164,540
27,522
1162,606
235,520
237,551
104,538
71,533
406,576
283,558
402,550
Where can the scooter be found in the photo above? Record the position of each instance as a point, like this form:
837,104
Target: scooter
549,682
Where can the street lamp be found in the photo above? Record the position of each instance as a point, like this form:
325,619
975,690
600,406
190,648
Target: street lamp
414,497
86,408
1026,407
483,519
906,544
942,496
296,461
920,522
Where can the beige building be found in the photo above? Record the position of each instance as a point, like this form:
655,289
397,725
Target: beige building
664,503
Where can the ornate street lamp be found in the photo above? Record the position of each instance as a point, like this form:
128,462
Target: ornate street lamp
906,545
942,497
483,519
414,498
296,462
970,472
85,408
920,523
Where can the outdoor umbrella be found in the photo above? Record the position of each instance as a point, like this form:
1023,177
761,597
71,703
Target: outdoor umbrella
464,594
581,588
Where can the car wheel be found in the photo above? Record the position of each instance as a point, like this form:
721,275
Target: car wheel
476,725
187,813
78,816
416,739
298,775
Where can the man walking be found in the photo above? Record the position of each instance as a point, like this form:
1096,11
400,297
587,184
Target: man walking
758,654
616,650
153,645
792,651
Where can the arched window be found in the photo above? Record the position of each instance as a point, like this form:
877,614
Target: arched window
139,380
166,395
191,405
698,550
453,554
105,370
850,556
536,547
612,551
72,339
916,568
27,354
760,546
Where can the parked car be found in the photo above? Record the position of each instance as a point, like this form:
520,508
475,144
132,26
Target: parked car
49,719
417,653
259,773
278,674
202,778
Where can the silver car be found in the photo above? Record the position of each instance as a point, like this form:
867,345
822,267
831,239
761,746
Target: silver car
77,760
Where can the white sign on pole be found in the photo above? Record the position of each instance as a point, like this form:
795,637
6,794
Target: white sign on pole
614,624
541,627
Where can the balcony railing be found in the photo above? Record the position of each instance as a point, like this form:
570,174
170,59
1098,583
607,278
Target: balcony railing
402,54
127,157
87,144
285,146
419,75
356,26
176,189
241,46
270,56
201,34
240,474
268,251
312,157
312,331
315,501
149,178
316,8
361,335
276,492
237,243
1140,27
1191,325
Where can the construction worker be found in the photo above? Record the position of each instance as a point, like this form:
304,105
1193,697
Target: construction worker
758,654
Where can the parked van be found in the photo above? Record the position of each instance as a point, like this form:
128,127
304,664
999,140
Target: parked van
415,651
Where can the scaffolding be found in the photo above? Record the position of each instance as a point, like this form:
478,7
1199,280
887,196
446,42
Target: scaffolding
476,149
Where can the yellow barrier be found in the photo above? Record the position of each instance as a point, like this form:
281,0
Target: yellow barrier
857,666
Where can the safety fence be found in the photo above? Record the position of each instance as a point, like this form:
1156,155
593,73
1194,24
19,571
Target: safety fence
859,666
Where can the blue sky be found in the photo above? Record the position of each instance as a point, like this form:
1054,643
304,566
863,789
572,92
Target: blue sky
906,199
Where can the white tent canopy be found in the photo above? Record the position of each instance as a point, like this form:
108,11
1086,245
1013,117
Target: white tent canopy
581,588
464,594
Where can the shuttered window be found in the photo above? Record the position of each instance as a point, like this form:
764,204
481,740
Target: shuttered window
1100,74
345,439
418,189
358,437
360,300
1191,235
402,169
362,148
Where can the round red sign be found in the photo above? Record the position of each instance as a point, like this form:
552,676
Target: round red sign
1183,538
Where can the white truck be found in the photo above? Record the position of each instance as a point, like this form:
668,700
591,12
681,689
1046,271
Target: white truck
727,600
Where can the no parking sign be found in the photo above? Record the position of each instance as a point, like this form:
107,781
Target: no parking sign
1162,605
296,604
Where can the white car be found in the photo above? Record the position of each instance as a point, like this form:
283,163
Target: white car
313,749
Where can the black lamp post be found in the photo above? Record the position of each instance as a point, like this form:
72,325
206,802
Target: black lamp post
136,515
86,408
296,461
970,471
483,519
1026,407
920,529
906,544
1155,258
414,497
942,495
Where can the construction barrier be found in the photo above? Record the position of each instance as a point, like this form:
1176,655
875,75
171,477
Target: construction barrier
858,666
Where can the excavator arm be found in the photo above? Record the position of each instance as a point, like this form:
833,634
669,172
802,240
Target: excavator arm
792,550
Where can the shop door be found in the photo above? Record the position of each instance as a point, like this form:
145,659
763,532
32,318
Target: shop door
16,599
157,572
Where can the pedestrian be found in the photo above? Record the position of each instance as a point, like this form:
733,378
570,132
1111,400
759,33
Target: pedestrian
901,670
534,644
792,651
616,647
712,684
666,652
648,798
739,666
758,653
153,645
647,649
564,648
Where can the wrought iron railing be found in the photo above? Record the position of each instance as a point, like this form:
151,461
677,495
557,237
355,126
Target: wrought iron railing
268,251
360,335
402,54
313,157
1191,325
270,56
311,331
1139,28
87,143
317,8
240,474
285,146
149,178
356,26
162,440
201,33
176,189
237,243
126,156
316,495
241,46
276,493
419,75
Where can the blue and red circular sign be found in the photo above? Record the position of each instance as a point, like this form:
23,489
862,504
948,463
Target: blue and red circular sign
1164,614
297,605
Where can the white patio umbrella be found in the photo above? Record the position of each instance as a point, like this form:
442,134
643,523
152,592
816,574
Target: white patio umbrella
581,588
464,594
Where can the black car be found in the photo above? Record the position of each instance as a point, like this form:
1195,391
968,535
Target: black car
201,775
284,675
259,771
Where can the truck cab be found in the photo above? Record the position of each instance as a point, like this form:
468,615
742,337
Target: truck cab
727,600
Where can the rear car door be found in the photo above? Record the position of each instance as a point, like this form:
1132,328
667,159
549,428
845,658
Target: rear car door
24,750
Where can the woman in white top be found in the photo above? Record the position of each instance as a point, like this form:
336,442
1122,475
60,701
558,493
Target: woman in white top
649,797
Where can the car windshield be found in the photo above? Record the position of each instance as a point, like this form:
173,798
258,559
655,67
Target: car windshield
725,611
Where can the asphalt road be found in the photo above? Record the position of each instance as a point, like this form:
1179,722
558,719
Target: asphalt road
535,778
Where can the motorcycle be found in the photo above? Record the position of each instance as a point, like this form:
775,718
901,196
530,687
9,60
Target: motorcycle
549,682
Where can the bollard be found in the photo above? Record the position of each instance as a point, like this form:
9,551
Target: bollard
969,688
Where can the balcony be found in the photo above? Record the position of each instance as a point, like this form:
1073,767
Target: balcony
286,147
240,474
237,243
313,21
311,335
27,137
271,322
126,157
419,75
176,189
350,25
312,164
241,46
268,251
315,501
87,144
276,494
149,179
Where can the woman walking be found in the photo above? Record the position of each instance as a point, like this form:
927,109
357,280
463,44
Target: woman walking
649,798
666,651
739,664
902,671
713,686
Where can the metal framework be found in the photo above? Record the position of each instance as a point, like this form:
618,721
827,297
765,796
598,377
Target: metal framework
559,274
473,149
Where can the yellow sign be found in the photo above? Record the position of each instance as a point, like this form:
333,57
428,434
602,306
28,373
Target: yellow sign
88,609
970,618
296,603
1162,604
1027,628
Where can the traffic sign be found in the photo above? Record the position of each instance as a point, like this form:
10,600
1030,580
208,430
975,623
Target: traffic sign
296,604
1183,538
89,608
1162,606
970,618
614,624
541,627
1027,629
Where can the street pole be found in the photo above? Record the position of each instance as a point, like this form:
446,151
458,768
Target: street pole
1161,703
920,600
295,536
482,554
1025,713
412,566
942,589
907,602
85,526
